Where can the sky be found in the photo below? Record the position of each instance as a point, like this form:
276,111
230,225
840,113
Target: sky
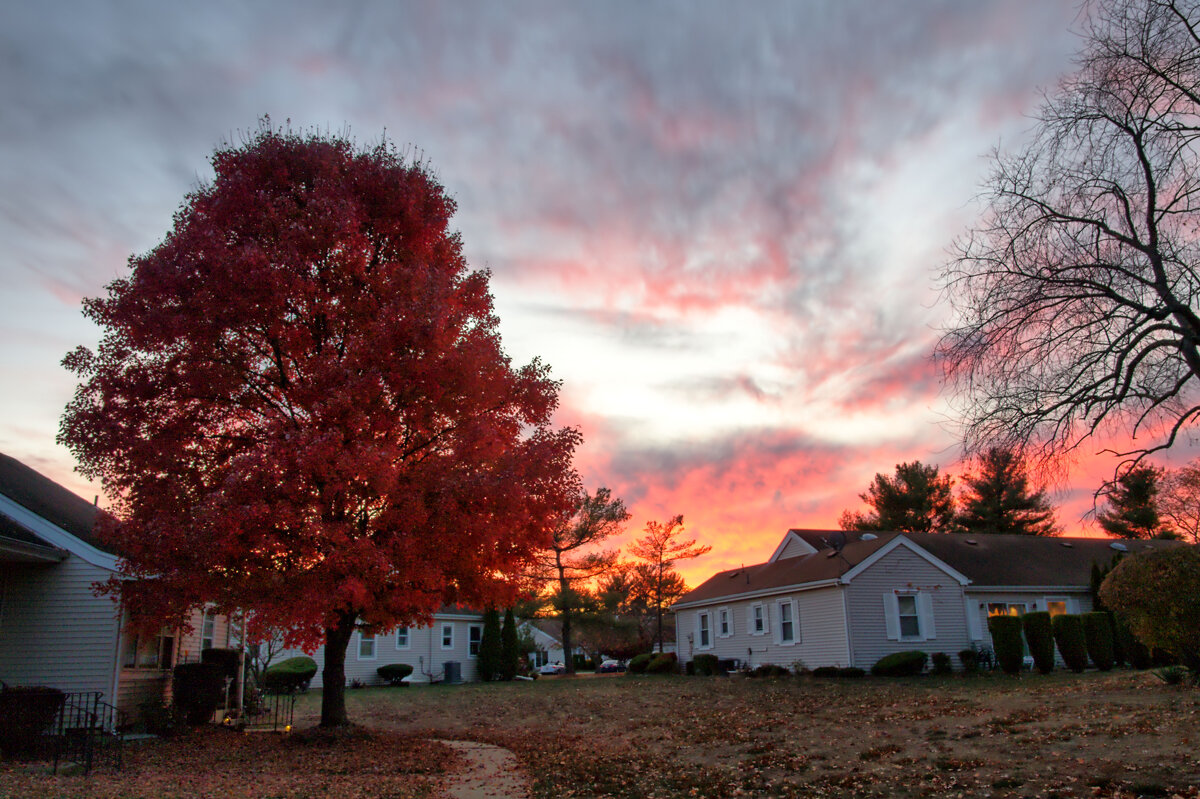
720,223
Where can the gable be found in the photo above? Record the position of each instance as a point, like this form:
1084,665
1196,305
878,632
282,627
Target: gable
792,546
902,543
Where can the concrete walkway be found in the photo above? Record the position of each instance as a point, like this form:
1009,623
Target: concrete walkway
491,773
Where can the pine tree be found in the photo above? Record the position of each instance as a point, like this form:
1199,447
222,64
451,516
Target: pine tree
917,499
489,647
998,499
510,653
1133,506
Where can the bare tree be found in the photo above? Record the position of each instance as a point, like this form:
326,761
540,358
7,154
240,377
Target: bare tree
659,549
1179,501
575,559
1075,299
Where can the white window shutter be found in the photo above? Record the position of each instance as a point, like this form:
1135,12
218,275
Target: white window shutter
925,608
891,615
750,619
796,636
974,626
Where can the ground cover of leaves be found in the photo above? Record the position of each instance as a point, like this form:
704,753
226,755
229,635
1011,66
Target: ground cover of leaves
215,762
1121,734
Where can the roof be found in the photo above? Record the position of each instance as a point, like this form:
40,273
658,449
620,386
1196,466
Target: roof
987,560
54,503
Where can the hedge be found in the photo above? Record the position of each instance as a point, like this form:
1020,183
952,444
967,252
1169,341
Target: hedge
289,676
229,660
639,663
394,673
663,663
970,660
707,665
197,689
1098,637
1007,642
1039,633
1068,634
770,670
900,664
25,713
942,663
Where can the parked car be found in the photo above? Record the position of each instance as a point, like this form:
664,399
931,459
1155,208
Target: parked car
609,666
553,668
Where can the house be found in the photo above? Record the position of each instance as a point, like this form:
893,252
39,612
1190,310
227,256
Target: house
448,650
834,598
54,629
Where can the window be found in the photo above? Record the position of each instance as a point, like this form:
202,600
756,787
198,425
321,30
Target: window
447,636
758,619
207,630
366,646
724,623
910,617
402,638
149,651
787,626
705,634
1056,607
1006,609
474,637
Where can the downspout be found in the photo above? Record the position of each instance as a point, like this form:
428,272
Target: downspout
846,627
119,620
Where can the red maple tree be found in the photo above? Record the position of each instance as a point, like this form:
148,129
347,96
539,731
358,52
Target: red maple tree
300,406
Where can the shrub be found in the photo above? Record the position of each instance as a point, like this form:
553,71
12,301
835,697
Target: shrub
198,689
394,673
1171,675
228,660
825,672
510,647
663,663
770,670
970,660
1039,633
1157,594
1068,634
942,663
850,672
900,664
1006,641
289,676
1137,653
707,665
490,652
639,663
25,713
1098,638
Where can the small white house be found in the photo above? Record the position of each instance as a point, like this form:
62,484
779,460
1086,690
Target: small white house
834,598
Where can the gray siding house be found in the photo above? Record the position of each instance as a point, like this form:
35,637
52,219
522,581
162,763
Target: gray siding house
834,598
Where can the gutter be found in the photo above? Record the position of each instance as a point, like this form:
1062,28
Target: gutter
763,592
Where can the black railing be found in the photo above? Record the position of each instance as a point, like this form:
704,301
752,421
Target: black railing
88,730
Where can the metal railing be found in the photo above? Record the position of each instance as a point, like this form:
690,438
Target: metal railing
86,730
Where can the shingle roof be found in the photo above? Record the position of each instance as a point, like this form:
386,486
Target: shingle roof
49,500
987,560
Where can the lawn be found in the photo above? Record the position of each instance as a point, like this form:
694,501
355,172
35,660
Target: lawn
1121,734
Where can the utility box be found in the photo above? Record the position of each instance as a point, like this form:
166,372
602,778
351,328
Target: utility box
452,670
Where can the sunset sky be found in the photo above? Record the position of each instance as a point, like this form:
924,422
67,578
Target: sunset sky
720,223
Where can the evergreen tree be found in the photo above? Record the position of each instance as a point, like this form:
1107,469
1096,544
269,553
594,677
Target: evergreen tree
490,647
917,499
1133,506
998,499
510,653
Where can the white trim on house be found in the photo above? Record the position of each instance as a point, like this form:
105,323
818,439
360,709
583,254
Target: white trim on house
791,538
752,626
373,639
407,638
442,635
55,535
704,629
724,621
1029,589
786,613
899,541
478,642
762,593
922,611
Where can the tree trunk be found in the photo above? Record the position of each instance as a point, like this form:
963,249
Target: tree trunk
333,678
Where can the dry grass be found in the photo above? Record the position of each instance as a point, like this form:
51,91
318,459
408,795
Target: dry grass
1118,735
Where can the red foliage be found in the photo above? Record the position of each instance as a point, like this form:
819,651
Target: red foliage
301,404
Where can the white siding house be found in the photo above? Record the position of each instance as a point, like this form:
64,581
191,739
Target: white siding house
834,598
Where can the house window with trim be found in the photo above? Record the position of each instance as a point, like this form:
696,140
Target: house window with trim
208,630
366,646
402,638
704,637
724,623
1006,609
909,616
149,651
1056,607
787,624
474,639
447,636
758,619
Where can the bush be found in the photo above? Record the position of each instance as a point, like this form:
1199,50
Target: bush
1007,643
1068,634
1098,638
510,647
707,665
1171,675
1157,594
639,663
489,661
228,660
394,673
900,664
197,690
942,663
25,713
770,670
1039,633
663,663
289,676
825,672
850,672
970,660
